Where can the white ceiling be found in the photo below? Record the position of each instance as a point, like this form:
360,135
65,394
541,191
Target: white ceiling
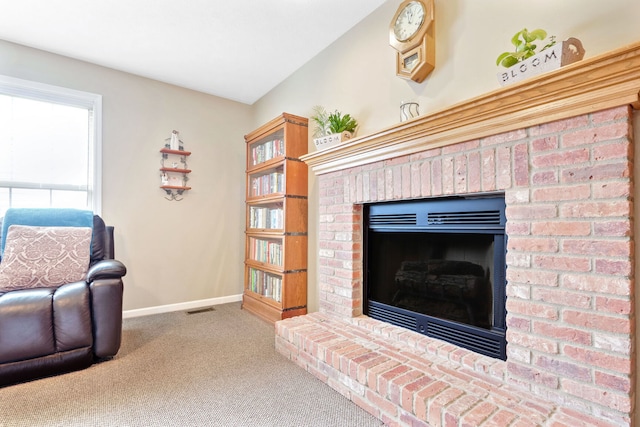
235,49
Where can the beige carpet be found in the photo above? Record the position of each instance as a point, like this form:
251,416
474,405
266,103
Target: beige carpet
214,368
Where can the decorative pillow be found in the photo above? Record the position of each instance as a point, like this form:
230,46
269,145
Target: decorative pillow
44,257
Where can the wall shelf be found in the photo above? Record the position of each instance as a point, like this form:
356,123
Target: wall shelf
175,170
174,176
174,187
176,152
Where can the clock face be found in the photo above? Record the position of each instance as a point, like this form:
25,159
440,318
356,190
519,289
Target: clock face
409,21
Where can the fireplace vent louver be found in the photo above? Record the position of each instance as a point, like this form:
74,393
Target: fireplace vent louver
464,218
393,219
397,318
489,346
488,343
471,214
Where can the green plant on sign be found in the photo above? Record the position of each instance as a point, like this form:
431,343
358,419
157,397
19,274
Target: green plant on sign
330,123
339,123
523,41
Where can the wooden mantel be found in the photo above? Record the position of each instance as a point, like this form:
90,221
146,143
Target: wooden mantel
593,84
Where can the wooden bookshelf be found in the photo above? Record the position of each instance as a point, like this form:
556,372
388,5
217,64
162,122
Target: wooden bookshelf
275,283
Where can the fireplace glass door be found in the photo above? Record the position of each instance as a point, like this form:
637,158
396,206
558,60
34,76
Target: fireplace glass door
444,275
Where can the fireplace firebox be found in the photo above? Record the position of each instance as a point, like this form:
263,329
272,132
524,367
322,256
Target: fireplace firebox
437,267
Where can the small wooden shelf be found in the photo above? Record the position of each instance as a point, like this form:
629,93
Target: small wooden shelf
174,187
175,170
176,152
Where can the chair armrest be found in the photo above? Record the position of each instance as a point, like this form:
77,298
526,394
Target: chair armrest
106,269
106,312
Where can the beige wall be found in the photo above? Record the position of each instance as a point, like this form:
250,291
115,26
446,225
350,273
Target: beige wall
175,252
357,73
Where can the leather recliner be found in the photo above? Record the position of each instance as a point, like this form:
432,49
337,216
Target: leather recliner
47,331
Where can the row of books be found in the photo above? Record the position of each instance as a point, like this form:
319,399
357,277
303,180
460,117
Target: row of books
262,217
267,151
267,184
268,251
265,284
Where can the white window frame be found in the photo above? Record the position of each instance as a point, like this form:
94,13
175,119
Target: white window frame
60,95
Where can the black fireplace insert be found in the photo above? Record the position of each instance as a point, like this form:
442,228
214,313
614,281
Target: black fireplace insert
437,266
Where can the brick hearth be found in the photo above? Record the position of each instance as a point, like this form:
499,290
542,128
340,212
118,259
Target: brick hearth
570,270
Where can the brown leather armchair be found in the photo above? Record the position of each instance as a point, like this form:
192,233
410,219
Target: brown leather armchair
47,331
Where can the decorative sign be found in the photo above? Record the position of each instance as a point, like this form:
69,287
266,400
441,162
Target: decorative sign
328,141
564,53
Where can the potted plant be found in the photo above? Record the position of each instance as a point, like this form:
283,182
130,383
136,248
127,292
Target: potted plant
528,59
523,41
332,128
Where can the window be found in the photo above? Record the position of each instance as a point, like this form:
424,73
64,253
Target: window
50,145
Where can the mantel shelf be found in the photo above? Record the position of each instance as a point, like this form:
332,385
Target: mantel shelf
605,81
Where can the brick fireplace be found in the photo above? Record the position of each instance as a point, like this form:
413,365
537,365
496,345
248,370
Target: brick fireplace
559,147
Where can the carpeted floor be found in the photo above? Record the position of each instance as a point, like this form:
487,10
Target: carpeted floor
213,368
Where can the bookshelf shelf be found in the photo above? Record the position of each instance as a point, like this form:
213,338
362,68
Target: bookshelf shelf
275,285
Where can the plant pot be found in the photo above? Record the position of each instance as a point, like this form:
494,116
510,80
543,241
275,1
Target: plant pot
331,140
561,54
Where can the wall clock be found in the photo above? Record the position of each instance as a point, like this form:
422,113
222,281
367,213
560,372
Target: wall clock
412,35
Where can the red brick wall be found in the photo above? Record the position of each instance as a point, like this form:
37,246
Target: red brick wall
568,188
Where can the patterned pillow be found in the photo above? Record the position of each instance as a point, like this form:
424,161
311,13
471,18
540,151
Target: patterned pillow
44,257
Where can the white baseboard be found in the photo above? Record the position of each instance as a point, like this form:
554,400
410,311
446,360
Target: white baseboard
180,306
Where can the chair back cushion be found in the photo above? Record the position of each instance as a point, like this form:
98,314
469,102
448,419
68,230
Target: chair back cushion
46,217
37,257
